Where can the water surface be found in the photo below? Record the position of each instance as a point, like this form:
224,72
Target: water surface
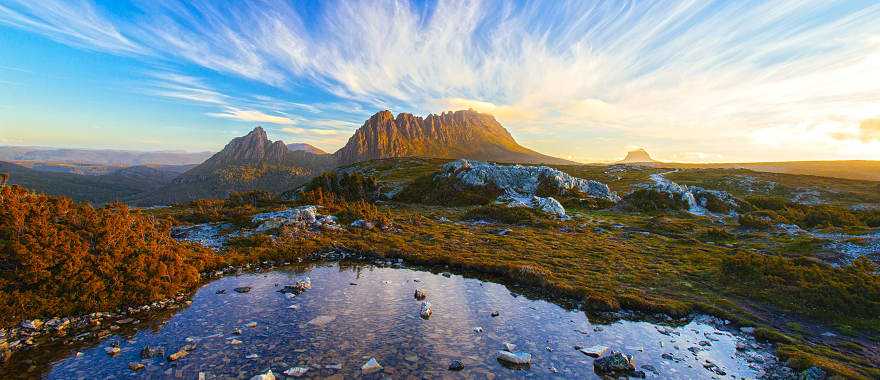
354,313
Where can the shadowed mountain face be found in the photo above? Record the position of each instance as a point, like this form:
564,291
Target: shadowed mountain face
459,134
246,163
306,147
636,156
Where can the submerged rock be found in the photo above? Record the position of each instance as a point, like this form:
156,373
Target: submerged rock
135,366
420,294
515,358
509,347
426,311
299,287
242,289
152,352
456,365
616,363
371,366
112,350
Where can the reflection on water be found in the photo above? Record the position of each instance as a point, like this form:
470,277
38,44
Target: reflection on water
353,314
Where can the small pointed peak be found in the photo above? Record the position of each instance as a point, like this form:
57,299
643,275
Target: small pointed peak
258,131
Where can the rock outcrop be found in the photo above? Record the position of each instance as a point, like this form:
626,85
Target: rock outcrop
527,186
305,147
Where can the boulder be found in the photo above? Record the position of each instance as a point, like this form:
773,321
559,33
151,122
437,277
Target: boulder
35,324
371,366
135,366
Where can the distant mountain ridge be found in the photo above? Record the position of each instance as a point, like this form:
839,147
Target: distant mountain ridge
638,156
305,147
458,134
109,157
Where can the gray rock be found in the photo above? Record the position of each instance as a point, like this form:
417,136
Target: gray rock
371,366
594,351
456,365
515,358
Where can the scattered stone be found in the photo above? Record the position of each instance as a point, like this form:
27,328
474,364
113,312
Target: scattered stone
237,331
221,291
515,358
265,376
446,274
251,324
616,363
135,366
495,314
594,351
112,350
299,287
234,342
243,289
363,224
420,294
478,330
35,324
812,373
509,347
252,356
426,310
296,371
456,365
152,352
178,355
371,366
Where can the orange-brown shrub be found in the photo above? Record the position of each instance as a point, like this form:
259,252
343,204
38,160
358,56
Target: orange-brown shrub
59,257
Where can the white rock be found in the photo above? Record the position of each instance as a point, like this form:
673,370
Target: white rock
519,358
371,366
296,371
595,351
509,347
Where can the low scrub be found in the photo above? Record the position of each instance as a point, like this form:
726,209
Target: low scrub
442,191
805,286
651,200
59,257
508,215
341,186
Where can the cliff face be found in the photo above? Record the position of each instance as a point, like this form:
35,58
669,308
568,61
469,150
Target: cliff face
459,134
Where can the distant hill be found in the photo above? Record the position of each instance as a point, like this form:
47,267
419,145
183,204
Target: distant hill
637,156
305,147
245,163
108,157
119,185
459,134
848,169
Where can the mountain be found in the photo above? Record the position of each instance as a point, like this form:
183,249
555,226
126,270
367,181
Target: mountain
459,134
637,156
246,163
108,157
119,185
305,147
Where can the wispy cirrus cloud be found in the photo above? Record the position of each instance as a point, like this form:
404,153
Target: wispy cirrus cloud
681,75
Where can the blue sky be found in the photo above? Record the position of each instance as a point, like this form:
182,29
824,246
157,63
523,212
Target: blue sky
688,80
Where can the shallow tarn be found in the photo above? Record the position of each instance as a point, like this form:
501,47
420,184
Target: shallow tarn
355,313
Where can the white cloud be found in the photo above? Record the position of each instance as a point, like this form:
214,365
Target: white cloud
251,116
690,73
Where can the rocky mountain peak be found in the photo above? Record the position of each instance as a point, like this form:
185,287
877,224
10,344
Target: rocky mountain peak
454,134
